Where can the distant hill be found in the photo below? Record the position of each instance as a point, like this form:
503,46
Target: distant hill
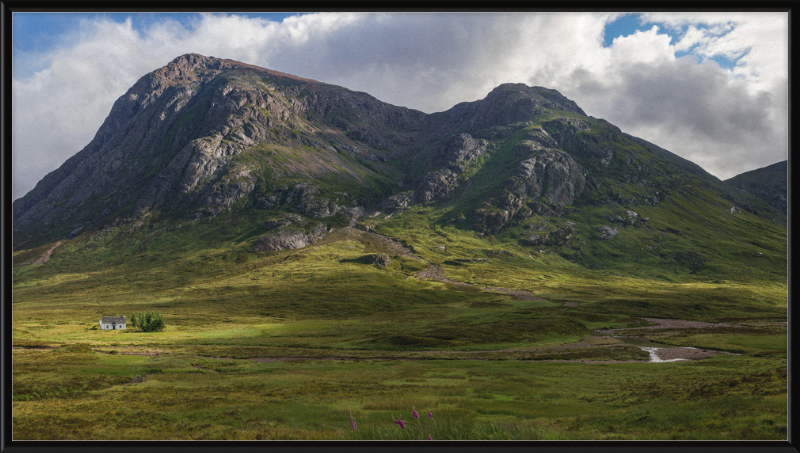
768,183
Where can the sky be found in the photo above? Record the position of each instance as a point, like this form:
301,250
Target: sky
710,87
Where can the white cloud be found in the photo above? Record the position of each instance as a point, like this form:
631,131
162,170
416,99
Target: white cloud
432,61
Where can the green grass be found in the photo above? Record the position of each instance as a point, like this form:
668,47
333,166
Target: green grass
353,337
217,398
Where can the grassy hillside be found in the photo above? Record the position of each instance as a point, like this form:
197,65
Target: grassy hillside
288,344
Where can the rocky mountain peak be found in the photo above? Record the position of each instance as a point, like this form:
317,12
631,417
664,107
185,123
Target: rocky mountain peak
186,67
202,135
538,96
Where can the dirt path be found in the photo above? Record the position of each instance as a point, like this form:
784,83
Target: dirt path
672,324
685,353
680,324
518,293
437,273
46,255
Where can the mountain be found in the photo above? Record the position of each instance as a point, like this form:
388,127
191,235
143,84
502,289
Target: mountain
296,159
769,184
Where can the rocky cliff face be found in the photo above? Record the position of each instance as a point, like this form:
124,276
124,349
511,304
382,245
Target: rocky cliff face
768,183
204,135
201,134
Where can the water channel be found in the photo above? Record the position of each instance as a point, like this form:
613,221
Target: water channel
652,350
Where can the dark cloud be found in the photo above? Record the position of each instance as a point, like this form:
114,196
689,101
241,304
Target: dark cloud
694,110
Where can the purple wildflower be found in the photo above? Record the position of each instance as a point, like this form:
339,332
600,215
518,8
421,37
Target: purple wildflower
430,414
429,438
508,425
353,423
414,411
402,423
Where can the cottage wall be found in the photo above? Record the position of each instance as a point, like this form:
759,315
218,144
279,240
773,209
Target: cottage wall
113,323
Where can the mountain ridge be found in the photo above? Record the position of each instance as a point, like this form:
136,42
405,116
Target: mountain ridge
768,183
202,136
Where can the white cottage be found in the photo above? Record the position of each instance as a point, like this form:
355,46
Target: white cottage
112,323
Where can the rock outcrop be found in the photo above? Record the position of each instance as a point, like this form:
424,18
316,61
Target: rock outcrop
547,173
289,233
607,232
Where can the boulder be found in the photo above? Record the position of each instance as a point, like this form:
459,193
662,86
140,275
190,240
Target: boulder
607,232
535,239
378,259
290,236
74,232
401,200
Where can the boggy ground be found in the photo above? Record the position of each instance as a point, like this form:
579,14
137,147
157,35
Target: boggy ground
287,345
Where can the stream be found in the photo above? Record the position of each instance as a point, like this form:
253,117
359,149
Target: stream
652,350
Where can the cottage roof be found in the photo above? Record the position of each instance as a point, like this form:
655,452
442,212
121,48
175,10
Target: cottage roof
114,319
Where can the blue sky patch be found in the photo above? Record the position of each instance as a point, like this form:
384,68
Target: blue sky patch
36,34
725,62
631,23
622,26
41,32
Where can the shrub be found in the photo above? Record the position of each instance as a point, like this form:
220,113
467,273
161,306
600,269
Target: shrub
148,322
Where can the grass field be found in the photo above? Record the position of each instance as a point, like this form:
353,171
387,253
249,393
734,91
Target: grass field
289,345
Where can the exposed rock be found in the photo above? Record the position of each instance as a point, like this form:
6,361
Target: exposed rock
291,235
511,103
491,220
436,185
459,150
561,236
563,129
378,259
548,174
280,223
539,139
401,200
573,136
535,239
378,158
626,218
607,232
309,200
542,184
74,232
557,237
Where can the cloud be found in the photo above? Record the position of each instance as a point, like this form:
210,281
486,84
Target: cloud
725,120
696,111
432,61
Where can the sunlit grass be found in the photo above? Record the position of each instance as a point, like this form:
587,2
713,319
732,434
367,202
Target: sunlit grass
285,345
